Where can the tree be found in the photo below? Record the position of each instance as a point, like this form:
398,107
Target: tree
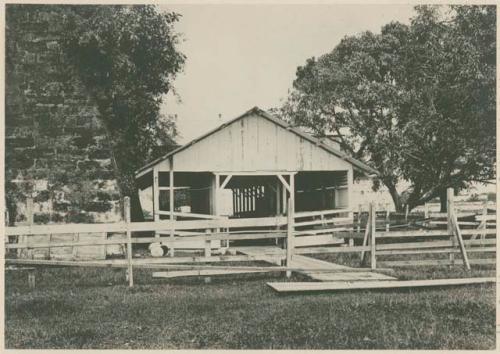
127,58
418,101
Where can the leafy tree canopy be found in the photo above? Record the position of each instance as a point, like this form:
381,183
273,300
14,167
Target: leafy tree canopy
127,58
418,100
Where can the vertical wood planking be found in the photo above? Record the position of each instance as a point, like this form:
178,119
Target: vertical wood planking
249,138
241,201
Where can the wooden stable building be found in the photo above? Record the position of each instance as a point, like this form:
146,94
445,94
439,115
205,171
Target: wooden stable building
250,167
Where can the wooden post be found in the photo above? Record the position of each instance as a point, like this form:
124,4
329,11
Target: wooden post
367,233
426,211
171,199
290,232
130,274
283,199
278,198
449,218
406,213
373,230
31,220
351,240
217,208
350,184
156,196
387,217
458,234
484,222
360,210
74,250
278,206
208,250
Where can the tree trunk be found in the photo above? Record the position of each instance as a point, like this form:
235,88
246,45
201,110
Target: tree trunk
136,214
128,188
442,199
396,198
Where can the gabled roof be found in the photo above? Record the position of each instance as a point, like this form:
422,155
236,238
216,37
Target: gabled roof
257,111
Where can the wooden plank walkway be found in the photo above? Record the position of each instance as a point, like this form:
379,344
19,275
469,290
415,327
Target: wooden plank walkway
206,272
274,254
312,263
338,273
338,285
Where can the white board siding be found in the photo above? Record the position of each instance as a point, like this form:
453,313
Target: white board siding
254,143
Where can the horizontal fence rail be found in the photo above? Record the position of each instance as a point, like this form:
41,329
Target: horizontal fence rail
335,231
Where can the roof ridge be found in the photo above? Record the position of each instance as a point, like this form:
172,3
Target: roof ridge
260,112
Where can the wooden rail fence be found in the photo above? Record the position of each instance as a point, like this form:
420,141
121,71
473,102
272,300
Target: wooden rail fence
327,231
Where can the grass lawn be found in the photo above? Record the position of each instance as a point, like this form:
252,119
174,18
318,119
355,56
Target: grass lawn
93,308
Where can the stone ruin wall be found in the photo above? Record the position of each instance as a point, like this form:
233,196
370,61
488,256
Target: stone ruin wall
56,148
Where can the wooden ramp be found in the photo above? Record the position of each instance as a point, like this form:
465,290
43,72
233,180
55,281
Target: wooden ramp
315,268
307,263
311,267
271,254
346,285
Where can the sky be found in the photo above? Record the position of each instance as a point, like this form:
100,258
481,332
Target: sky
241,56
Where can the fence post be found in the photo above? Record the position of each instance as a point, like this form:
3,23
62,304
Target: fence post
458,235
484,222
359,218
387,217
449,215
406,213
208,250
426,211
290,236
130,274
367,233
30,217
9,239
373,229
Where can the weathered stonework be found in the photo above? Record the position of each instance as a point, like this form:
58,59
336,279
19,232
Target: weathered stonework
56,148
